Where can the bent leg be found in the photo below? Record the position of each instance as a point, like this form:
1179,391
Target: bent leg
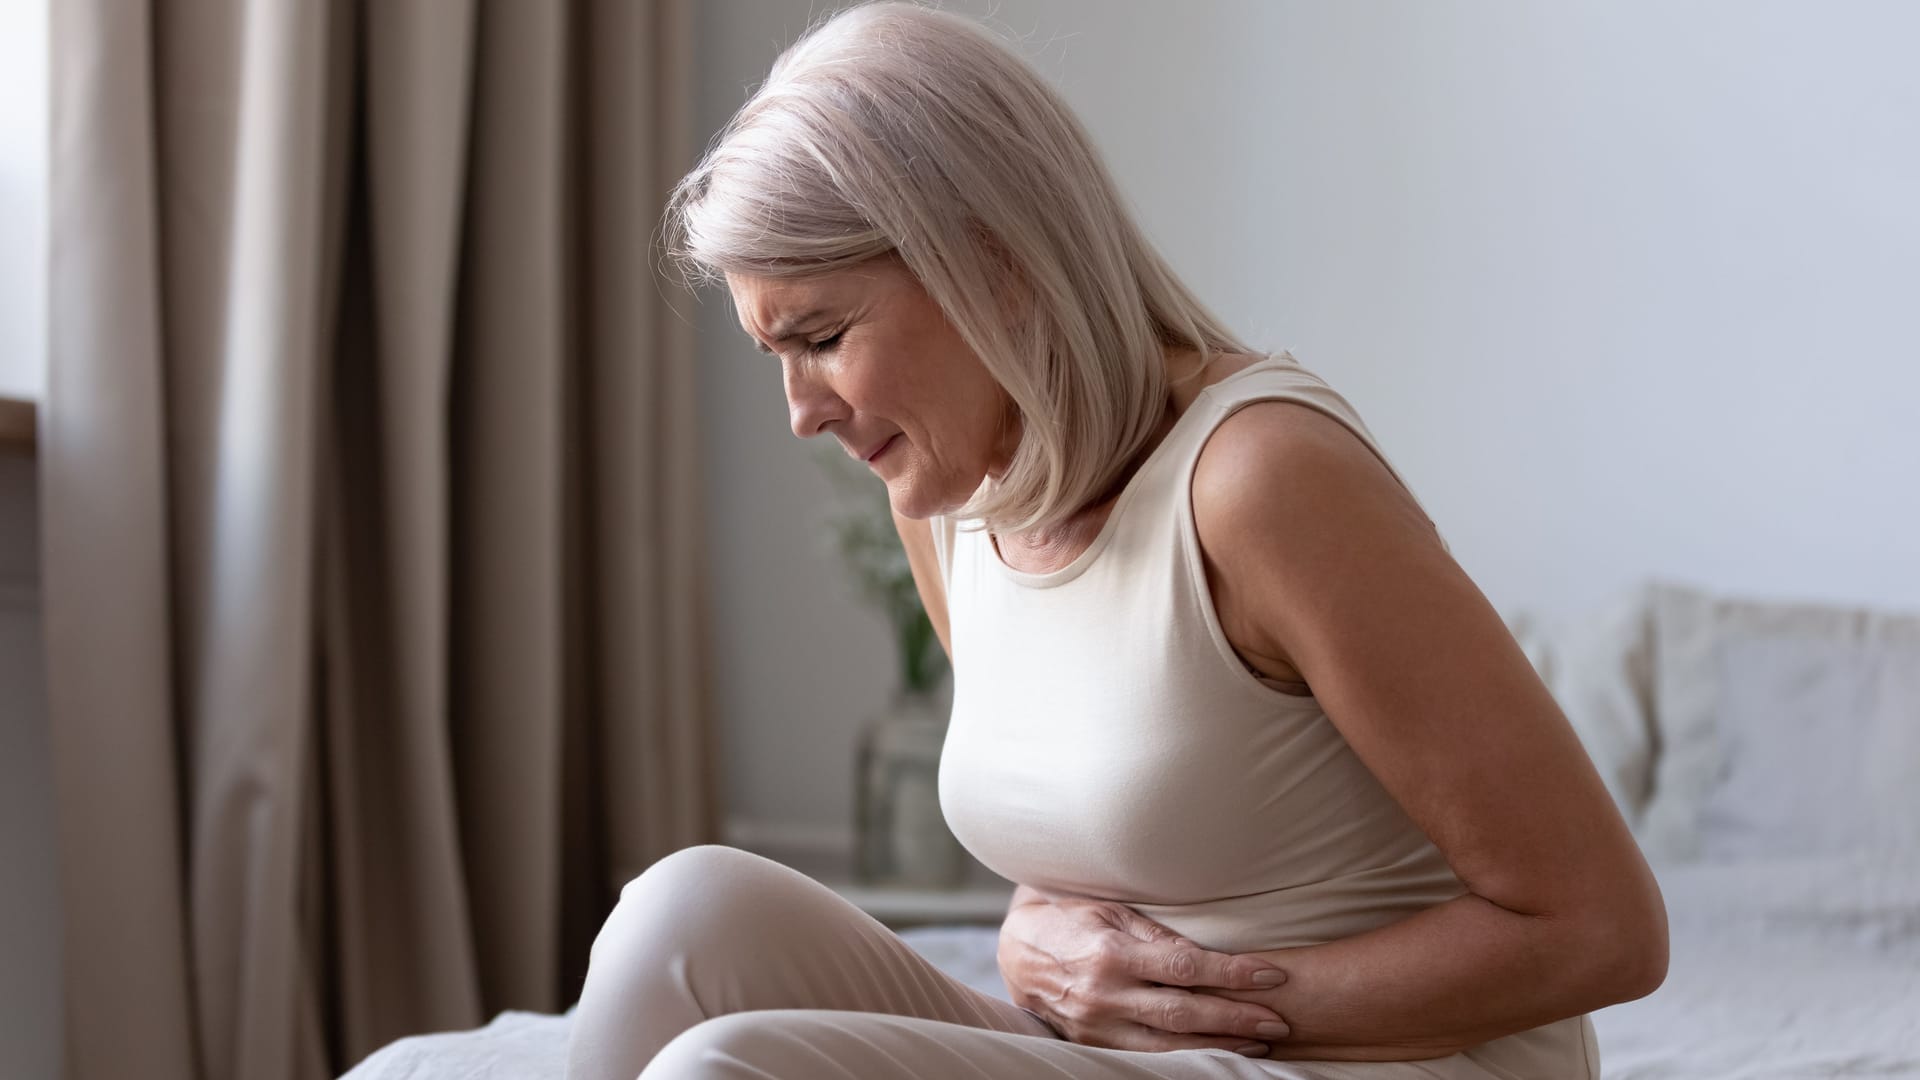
816,1044
711,931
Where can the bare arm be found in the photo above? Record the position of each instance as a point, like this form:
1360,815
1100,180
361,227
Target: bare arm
1448,978
1333,566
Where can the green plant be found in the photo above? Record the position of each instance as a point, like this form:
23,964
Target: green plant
865,539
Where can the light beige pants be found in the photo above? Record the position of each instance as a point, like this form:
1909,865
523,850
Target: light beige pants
720,963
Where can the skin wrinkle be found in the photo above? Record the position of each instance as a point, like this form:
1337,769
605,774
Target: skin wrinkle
792,326
900,366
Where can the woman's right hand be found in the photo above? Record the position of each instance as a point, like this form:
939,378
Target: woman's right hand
1102,974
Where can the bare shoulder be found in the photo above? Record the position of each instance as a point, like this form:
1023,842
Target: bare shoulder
1283,494
1276,467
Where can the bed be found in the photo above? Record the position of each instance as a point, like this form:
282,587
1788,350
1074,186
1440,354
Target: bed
1767,754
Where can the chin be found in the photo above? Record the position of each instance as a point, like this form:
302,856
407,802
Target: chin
909,500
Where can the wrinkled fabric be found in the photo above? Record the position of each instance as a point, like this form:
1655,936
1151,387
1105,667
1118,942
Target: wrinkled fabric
721,963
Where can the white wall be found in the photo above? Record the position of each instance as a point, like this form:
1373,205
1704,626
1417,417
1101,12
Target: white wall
1624,288
23,196
801,664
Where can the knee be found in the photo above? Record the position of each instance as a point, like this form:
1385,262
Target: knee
693,895
674,951
690,867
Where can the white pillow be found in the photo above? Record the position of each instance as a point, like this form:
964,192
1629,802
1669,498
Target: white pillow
1786,728
1599,666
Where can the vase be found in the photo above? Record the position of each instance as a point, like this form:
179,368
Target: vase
902,836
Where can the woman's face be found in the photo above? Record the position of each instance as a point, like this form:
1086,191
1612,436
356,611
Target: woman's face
870,359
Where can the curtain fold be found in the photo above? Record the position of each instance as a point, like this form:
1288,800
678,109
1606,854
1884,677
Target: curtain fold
371,526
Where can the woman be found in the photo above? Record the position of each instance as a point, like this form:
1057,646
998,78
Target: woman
1283,796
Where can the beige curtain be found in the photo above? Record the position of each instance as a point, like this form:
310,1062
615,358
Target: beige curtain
372,557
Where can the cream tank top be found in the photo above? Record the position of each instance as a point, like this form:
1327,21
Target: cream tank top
1106,740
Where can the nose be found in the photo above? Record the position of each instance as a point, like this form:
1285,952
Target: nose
811,403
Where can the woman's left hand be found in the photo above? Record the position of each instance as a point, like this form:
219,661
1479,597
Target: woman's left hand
1101,974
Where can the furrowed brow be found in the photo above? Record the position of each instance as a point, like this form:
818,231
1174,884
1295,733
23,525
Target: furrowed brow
787,327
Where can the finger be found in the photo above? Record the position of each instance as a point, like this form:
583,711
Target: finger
1178,1012
1240,968
1144,928
1126,1036
1183,963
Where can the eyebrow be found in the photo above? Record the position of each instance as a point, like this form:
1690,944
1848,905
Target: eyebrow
788,326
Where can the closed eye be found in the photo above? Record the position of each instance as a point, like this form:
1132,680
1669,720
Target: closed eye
825,344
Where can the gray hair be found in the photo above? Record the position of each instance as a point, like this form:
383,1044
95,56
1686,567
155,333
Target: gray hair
897,127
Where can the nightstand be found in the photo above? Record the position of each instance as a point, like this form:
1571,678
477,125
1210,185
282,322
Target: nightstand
903,907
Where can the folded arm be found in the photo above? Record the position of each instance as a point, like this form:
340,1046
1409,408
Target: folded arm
1320,557
1447,978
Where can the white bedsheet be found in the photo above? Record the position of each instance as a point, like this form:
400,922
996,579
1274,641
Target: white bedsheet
1782,970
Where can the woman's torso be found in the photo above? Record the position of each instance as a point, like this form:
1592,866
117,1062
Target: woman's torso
1107,740
1068,542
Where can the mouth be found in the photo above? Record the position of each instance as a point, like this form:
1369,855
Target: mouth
881,449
